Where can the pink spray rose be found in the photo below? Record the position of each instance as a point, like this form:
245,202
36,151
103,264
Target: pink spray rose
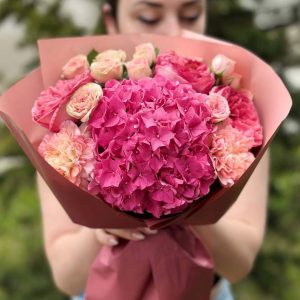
83,101
218,106
115,55
222,65
75,66
145,51
70,152
108,65
185,70
138,68
49,109
152,143
243,114
107,69
230,152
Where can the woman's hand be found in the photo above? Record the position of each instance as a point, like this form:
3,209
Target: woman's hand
110,237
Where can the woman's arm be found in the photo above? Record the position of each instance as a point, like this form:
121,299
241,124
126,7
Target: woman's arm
71,248
236,238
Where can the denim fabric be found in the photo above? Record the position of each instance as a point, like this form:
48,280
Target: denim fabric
81,297
225,291
224,294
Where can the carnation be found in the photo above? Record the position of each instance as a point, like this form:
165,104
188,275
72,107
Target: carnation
230,152
243,114
152,146
70,152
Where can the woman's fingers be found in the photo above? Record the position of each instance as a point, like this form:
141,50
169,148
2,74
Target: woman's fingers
110,237
128,234
105,238
148,230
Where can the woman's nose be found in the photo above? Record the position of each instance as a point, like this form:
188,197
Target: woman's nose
173,26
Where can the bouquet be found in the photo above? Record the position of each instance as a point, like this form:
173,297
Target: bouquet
153,140
150,135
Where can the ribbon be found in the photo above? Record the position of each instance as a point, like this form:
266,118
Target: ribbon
171,265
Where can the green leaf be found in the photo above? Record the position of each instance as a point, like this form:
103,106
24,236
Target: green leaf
125,72
91,56
156,51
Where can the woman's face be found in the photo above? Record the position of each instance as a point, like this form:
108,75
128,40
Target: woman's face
168,17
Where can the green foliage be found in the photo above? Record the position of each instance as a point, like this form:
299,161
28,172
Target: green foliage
276,274
24,273
92,55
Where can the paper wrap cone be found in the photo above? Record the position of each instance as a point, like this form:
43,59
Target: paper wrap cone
272,100
147,278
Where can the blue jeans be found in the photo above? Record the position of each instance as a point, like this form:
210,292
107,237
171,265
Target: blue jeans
225,291
224,294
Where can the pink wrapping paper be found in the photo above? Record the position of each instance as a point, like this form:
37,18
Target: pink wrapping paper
186,273
157,275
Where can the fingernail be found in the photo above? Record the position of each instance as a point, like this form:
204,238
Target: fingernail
113,241
154,231
138,236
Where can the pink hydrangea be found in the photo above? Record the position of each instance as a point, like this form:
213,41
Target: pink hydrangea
243,114
152,144
49,109
70,152
185,70
230,152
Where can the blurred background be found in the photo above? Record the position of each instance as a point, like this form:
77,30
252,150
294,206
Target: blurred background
270,28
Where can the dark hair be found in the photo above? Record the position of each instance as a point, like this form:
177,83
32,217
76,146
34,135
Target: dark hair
113,4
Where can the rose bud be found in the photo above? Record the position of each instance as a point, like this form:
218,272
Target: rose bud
138,68
115,55
234,80
146,51
75,66
222,65
107,69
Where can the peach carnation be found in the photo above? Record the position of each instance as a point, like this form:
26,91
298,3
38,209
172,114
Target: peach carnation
230,152
70,152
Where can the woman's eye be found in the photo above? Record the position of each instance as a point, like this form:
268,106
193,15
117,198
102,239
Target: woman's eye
189,19
148,21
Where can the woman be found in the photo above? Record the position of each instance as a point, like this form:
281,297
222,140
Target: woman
233,242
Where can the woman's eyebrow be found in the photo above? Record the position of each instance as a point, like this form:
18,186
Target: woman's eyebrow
149,3
191,2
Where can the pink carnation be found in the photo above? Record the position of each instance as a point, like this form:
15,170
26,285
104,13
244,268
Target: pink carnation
185,70
70,152
230,152
49,109
243,113
153,150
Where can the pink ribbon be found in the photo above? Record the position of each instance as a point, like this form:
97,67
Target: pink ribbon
171,265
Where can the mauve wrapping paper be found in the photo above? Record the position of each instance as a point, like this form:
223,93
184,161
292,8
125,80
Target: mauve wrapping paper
170,264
